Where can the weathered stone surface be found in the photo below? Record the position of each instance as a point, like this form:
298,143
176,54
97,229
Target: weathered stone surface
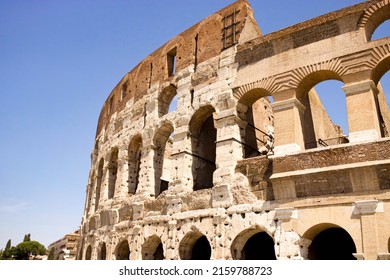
231,170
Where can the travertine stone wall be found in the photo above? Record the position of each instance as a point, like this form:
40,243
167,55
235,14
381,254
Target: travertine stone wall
248,158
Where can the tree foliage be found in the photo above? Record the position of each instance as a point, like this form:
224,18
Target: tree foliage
27,237
8,251
29,248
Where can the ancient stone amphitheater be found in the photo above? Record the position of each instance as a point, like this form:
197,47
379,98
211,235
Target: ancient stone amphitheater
217,146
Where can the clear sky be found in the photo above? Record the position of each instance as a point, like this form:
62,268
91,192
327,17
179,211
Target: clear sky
59,60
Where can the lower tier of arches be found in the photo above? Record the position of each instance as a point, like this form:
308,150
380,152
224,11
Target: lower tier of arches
345,231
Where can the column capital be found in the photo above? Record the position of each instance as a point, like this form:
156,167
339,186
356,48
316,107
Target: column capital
366,207
360,87
288,104
284,214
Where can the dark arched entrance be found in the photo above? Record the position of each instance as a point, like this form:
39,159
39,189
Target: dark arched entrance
88,253
259,247
123,251
195,246
153,249
253,244
102,252
332,244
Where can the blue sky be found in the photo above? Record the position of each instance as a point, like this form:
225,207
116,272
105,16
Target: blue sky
59,60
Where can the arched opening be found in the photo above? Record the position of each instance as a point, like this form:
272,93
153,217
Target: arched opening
255,110
381,77
122,251
88,253
102,254
203,138
153,249
376,22
382,31
112,172
332,243
99,179
162,157
167,100
134,156
325,119
195,246
253,245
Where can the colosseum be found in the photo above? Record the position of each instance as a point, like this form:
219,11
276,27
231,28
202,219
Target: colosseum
217,145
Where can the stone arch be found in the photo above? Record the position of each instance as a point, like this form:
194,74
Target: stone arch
203,137
255,110
253,244
382,66
122,250
374,16
317,127
330,242
162,153
194,246
88,253
165,99
102,251
153,249
99,180
112,172
134,163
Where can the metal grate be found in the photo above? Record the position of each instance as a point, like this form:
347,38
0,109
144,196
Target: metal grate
230,30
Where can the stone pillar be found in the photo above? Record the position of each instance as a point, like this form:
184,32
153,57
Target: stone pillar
182,178
104,180
121,185
367,210
90,198
228,152
288,115
221,251
146,182
362,109
286,240
172,247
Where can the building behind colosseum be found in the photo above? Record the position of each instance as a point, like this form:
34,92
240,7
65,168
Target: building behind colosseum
216,146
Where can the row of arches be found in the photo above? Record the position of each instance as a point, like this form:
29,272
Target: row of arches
318,130
256,112
331,243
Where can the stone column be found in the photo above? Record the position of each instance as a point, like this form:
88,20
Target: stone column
288,115
90,192
104,180
172,247
146,182
221,251
121,185
362,109
286,240
228,152
182,178
367,210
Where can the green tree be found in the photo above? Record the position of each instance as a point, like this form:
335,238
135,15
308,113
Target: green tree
27,237
8,251
29,248
51,254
